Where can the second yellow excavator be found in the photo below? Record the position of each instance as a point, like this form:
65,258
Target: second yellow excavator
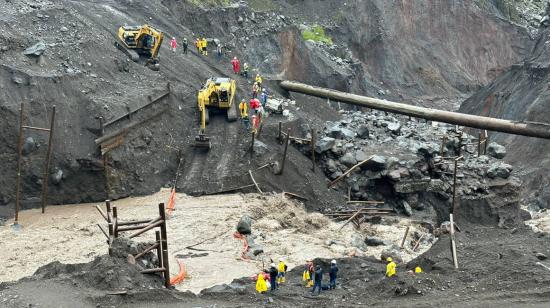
136,41
219,94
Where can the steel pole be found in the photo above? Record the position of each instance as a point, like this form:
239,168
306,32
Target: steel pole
493,124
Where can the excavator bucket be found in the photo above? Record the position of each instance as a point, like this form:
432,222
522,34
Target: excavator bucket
202,142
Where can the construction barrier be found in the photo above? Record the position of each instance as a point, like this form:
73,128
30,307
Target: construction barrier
171,202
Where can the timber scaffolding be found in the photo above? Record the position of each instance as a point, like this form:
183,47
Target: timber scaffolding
116,227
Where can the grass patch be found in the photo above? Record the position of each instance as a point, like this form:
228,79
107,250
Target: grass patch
316,33
210,2
262,5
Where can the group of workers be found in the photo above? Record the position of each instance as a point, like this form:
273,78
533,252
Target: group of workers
174,45
272,278
312,276
257,106
201,45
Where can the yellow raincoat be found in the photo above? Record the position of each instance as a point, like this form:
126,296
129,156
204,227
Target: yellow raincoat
390,268
418,270
261,286
243,107
259,79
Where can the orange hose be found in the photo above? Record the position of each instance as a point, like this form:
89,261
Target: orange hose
181,275
245,245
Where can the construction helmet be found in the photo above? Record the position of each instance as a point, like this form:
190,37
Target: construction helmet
281,260
389,259
272,264
333,262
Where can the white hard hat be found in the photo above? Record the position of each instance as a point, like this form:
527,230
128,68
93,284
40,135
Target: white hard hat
333,262
173,38
272,264
281,260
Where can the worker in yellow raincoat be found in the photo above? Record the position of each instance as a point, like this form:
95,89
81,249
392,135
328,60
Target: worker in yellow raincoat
204,45
282,270
307,276
259,80
390,268
261,285
417,270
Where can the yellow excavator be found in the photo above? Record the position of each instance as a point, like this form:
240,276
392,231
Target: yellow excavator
140,41
217,94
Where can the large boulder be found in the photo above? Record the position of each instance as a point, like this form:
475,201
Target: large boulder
360,156
339,132
376,163
244,226
374,241
36,49
363,132
348,159
394,127
500,170
496,150
325,144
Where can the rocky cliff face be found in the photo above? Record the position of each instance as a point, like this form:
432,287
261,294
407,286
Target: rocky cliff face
427,52
522,94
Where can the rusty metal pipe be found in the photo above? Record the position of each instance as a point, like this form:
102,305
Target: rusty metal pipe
499,125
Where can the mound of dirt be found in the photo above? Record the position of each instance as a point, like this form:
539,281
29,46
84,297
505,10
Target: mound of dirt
104,273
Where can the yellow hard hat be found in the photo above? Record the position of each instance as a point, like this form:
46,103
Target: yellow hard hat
389,259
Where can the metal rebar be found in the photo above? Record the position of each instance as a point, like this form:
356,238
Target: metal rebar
115,221
19,158
47,163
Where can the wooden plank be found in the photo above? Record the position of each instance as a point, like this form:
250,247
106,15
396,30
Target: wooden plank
347,221
127,128
404,237
349,171
255,183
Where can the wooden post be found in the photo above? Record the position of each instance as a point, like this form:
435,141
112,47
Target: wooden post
486,142
280,134
159,248
479,145
404,237
19,159
453,242
45,176
284,152
110,226
164,240
313,140
115,221
460,137
443,145
349,194
252,145
454,186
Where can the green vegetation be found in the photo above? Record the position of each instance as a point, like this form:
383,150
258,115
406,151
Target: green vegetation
262,5
316,33
210,2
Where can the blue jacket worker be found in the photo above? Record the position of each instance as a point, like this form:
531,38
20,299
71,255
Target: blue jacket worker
333,274
317,280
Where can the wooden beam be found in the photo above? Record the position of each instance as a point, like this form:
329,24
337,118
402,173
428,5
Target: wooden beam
349,171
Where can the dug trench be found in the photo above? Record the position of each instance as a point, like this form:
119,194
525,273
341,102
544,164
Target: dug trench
88,78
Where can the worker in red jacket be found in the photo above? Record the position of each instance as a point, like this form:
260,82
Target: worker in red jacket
236,65
173,44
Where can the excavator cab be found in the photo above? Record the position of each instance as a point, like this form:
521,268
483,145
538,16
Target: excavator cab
217,94
140,41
